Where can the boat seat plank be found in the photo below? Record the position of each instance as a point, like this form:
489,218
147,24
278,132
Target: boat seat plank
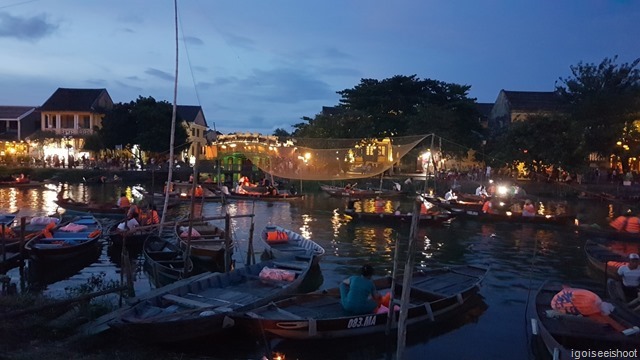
292,265
186,302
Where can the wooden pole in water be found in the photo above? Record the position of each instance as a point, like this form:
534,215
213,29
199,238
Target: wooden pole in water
394,274
227,242
23,226
406,281
251,257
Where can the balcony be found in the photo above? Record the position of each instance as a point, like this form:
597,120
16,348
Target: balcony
71,132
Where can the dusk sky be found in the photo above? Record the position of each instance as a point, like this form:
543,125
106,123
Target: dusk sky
260,65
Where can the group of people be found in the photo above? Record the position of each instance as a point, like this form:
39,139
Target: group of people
135,216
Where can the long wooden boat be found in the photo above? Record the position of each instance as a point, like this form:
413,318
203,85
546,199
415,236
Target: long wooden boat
607,233
198,308
401,218
561,334
281,195
281,243
356,193
77,207
21,184
435,295
604,259
207,245
10,238
474,211
69,239
164,260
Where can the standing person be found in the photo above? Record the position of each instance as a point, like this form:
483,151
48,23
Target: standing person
123,201
358,294
630,275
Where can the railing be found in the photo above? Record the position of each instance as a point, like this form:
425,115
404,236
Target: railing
64,131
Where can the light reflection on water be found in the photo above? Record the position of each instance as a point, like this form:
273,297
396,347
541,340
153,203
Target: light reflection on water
520,258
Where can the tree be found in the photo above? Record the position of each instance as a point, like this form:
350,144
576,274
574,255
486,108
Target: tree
93,143
604,102
399,106
146,123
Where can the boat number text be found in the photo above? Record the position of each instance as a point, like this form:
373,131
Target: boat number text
361,321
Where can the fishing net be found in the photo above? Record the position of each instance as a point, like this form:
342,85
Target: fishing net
319,159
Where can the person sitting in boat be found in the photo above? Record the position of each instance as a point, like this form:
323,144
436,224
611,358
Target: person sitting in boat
348,186
133,209
123,201
481,191
487,207
528,209
358,294
630,275
199,192
450,195
152,216
583,302
22,179
378,205
131,223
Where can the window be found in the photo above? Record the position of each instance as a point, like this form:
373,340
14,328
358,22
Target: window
85,122
66,121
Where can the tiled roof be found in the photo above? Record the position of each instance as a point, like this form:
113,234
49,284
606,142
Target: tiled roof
189,113
73,100
531,101
14,112
484,109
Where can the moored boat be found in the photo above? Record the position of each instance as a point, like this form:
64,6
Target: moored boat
561,335
436,294
78,207
196,308
207,245
604,259
66,240
164,260
281,243
607,233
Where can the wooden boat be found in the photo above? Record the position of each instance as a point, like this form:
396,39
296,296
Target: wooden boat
39,273
281,243
207,245
68,240
435,295
191,309
604,259
560,334
474,211
607,233
337,191
132,237
164,260
10,242
278,195
77,207
401,218
21,183
181,192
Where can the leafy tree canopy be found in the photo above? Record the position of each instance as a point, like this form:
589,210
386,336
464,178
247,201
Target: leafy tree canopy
145,122
604,101
399,106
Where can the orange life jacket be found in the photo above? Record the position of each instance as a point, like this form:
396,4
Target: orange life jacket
124,202
619,223
153,218
199,192
576,302
486,208
633,225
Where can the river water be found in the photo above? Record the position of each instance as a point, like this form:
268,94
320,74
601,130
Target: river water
520,258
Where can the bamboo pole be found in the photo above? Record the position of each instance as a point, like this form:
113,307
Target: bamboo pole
251,257
406,282
227,242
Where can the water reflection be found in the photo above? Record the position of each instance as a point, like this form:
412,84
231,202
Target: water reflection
520,256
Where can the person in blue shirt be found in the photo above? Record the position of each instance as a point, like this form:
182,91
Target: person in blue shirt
358,294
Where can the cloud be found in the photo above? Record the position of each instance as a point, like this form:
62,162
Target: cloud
238,41
193,40
97,82
285,85
31,29
159,74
